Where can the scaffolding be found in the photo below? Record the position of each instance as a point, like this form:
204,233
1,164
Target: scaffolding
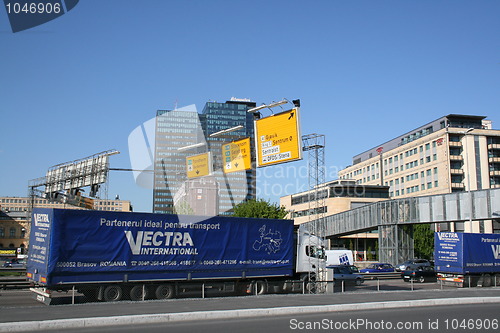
314,146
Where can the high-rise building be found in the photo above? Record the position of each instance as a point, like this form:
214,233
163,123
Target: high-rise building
451,154
176,133
174,130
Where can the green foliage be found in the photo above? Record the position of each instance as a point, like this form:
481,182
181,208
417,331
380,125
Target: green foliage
423,238
260,209
369,254
183,208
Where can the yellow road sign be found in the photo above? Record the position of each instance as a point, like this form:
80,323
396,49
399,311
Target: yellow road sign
199,165
236,156
277,138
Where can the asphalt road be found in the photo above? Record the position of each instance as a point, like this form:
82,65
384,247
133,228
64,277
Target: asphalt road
23,297
19,306
456,318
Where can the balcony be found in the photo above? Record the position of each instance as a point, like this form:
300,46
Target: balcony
494,146
493,159
495,185
457,158
457,171
494,173
455,144
457,185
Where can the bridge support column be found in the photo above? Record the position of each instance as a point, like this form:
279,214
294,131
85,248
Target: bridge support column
395,243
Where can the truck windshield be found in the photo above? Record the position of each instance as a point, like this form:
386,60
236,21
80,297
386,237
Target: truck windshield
316,251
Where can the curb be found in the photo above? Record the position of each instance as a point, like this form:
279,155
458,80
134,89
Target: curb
59,324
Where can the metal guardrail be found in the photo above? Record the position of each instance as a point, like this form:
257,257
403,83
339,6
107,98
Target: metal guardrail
16,281
13,270
381,276
13,282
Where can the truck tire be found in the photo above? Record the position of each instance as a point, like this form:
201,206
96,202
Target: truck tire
487,280
138,293
112,293
165,291
258,287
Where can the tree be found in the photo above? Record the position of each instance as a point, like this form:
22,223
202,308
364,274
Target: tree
260,209
183,208
423,238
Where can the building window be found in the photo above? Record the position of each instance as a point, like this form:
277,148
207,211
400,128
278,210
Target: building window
427,146
12,232
2,232
434,157
436,183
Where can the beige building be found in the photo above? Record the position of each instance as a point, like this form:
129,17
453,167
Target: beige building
453,153
338,196
14,222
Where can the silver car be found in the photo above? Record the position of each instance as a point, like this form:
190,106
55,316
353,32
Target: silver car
347,273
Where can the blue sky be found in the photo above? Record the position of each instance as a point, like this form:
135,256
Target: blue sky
365,71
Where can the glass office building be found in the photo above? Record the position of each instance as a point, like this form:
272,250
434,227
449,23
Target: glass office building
173,191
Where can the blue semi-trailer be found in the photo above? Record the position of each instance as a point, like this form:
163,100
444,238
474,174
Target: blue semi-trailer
466,259
108,256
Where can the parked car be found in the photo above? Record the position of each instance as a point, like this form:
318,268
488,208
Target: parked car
420,274
412,264
347,273
15,263
378,268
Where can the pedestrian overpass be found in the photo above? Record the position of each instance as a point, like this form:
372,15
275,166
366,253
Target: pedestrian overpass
393,218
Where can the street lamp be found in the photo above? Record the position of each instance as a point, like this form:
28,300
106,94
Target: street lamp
196,145
271,105
227,130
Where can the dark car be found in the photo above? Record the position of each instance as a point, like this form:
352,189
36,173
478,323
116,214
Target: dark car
378,268
15,263
412,264
347,273
420,274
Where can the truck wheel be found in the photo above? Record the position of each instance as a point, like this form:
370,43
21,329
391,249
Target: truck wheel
138,293
165,291
112,293
258,287
487,280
